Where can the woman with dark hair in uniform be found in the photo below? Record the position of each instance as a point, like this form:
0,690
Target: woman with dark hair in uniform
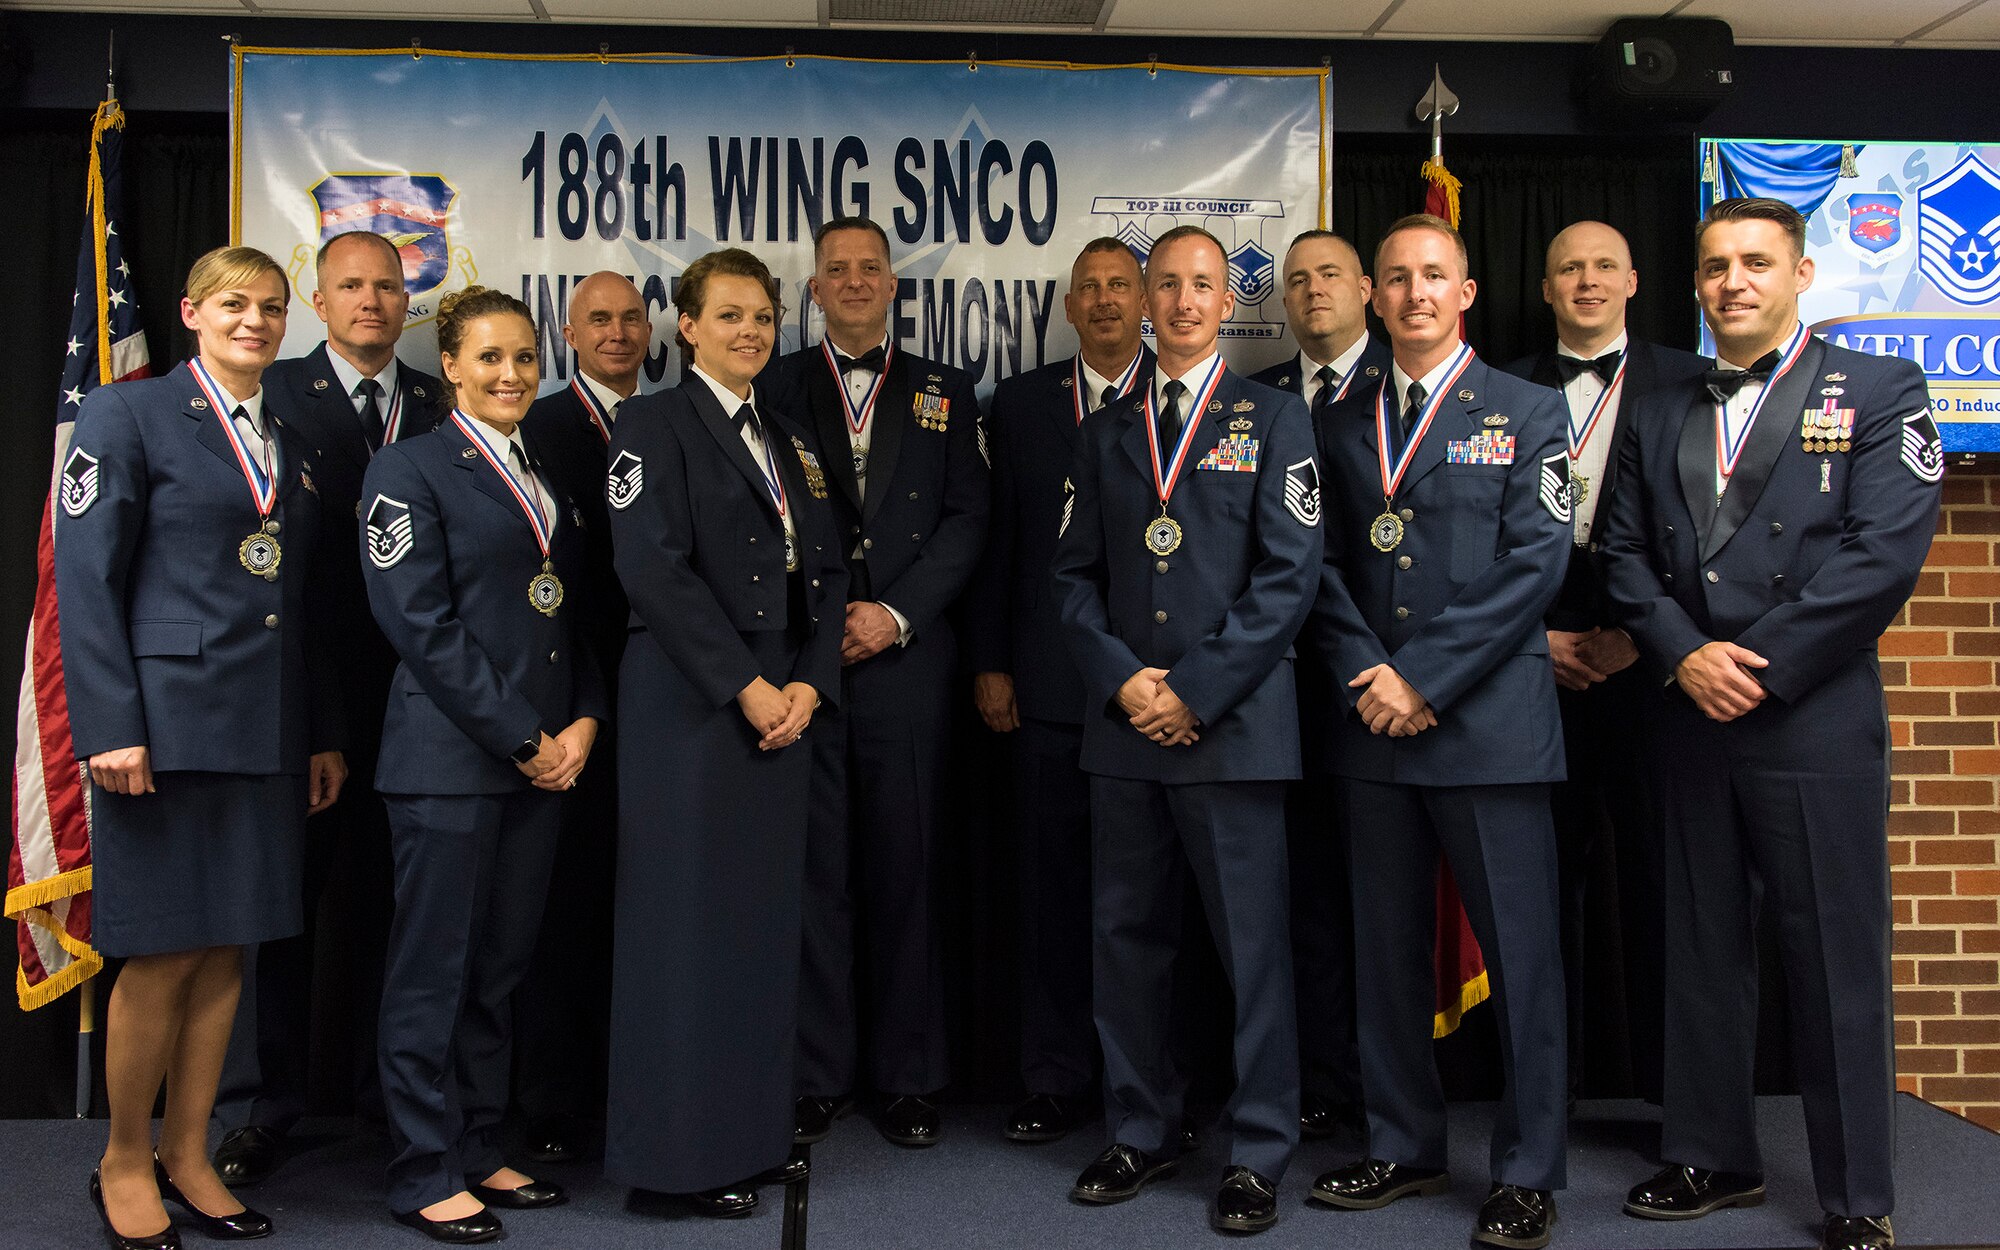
471,564
725,544
181,570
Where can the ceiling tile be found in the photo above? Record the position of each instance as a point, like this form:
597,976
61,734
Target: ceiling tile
1981,25
503,10
129,6
1305,18
693,12
1513,19
1823,21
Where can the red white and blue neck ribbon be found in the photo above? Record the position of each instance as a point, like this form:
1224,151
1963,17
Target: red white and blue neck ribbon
599,415
773,480
859,413
1166,477
530,505
392,424
1579,437
1122,383
1392,475
1340,392
1727,452
263,482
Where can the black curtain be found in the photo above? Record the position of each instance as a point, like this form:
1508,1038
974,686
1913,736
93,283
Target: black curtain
1518,193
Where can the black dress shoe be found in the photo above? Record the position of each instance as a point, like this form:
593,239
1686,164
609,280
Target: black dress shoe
1514,1217
479,1226
1370,1183
247,1155
1042,1117
1677,1193
1246,1202
245,1225
553,1139
1188,1140
1851,1232
726,1202
1320,1116
167,1238
815,1117
1120,1173
796,1167
910,1121
522,1197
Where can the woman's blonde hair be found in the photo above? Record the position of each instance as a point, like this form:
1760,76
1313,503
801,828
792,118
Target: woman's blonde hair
230,268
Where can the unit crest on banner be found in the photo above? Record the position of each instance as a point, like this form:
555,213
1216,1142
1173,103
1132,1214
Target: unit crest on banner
1241,225
1875,226
412,211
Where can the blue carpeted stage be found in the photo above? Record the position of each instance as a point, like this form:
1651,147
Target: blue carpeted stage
975,1191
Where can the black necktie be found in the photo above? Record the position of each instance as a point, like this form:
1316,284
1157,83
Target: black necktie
1328,379
1724,383
1104,400
1412,410
371,412
1170,418
870,360
747,415
1605,367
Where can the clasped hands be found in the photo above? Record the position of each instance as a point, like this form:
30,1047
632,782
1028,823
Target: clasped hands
1390,705
1718,677
779,716
560,759
1155,710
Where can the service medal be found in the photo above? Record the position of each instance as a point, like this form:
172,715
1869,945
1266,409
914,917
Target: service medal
1163,533
791,552
860,463
545,590
1163,536
1579,487
261,554
1385,531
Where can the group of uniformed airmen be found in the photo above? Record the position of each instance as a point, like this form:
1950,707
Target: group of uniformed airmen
1286,637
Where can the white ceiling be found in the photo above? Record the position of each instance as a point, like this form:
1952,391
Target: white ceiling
1870,23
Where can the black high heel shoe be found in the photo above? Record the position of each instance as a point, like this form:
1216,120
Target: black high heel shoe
245,1225
167,1238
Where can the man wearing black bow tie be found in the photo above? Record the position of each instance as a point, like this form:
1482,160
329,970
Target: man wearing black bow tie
1606,812
1773,523
899,436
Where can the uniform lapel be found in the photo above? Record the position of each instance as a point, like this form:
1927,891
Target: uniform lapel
829,419
1133,412
1694,460
722,427
1639,380
1777,424
892,415
484,477
1456,418
333,408
1545,372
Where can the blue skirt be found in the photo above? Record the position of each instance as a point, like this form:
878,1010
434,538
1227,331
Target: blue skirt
208,859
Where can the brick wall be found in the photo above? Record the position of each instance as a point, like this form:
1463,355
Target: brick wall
1938,664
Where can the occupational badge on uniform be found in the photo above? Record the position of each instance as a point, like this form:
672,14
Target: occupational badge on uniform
1923,451
1553,488
1243,405
319,384
469,454
1241,424
624,479
1234,454
198,404
306,480
933,412
1826,477
1069,506
1214,406
576,516
1069,384
391,533
1495,420
985,453
1489,448
1372,371
1284,382
418,391
1836,377
1465,396
1833,390
79,482
1826,428
815,476
1302,492
934,377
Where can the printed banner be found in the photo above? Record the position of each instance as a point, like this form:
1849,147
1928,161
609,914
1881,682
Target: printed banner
1905,242
527,174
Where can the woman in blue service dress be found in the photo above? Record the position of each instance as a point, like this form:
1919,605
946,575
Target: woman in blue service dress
725,543
472,563
204,715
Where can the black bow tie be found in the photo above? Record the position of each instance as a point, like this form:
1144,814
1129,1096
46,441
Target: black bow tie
870,360
1605,367
1724,383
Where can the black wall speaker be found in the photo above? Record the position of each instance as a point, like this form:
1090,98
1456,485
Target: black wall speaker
1667,69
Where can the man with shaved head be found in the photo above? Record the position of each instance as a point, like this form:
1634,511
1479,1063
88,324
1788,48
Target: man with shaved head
561,1014
1606,811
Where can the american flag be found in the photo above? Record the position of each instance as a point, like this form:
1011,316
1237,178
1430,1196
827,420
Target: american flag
48,862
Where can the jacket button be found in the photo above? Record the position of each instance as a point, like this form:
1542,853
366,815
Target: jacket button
1408,514
868,544
1402,562
1670,529
815,583
913,494
271,621
1160,617
916,538
271,526
753,538
1668,578
1593,548
1777,579
554,656
1714,576
1402,614
760,615
1777,527
854,530
1160,566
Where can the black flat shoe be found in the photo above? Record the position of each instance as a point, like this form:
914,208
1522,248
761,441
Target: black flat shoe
247,1155
1677,1193
522,1197
910,1121
1040,1118
1370,1183
1246,1202
479,1226
796,1167
168,1238
245,1225
815,1117
1848,1232
727,1202
1120,1173
1517,1218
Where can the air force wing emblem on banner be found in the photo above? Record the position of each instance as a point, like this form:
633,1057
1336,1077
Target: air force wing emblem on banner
1923,451
409,210
625,479
1302,492
1875,226
1252,272
390,532
79,482
1554,486
1958,232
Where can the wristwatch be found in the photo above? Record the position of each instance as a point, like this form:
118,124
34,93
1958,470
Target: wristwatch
527,750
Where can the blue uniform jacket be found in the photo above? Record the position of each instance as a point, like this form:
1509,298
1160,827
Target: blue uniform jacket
1811,553
1368,372
482,669
317,407
1013,624
699,540
1221,612
920,531
1456,608
168,642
